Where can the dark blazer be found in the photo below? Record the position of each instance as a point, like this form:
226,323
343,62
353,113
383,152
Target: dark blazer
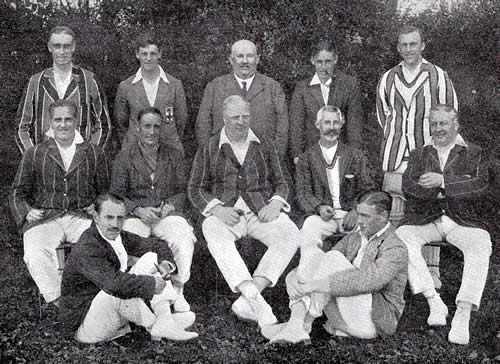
307,100
383,273
131,99
466,180
216,173
312,187
93,266
268,109
42,182
131,180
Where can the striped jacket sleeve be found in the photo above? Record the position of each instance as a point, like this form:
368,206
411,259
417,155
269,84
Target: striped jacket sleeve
199,185
100,121
23,188
26,115
382,107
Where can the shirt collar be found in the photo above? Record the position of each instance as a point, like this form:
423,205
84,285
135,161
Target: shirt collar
316,81
423,61
248,81
379,233
458,141
77,140
138,75
251,137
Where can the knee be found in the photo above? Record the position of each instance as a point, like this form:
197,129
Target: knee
408,235
213,229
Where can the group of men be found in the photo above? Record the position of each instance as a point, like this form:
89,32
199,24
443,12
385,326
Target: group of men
135,244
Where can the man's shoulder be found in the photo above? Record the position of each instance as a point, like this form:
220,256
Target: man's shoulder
265,79
222,80
87,73
344,77
389,239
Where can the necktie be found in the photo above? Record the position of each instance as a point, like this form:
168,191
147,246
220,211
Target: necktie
244,89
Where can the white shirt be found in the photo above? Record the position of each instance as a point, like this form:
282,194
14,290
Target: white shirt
325,88
248,81
410,75
444,153
67,154
62,82
332,174
119,249
240,151
364,243
151,89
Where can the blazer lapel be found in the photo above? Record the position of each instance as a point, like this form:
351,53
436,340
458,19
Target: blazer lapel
318,167
163,164
317,95
343,160
140,93
110,251
453,156
56,155
79,157
255,88
161,94
228,152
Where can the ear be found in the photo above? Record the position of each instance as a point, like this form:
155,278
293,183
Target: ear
257,59
137,55
423,47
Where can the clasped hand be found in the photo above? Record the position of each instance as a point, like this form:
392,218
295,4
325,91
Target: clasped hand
431,180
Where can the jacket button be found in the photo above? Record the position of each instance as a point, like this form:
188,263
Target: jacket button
152,187
239,177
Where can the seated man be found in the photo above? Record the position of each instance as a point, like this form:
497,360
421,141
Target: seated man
99,296
329,175
151,177
53,193
443,183
359,284
239,185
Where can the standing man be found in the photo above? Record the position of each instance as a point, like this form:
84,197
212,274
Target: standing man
329,176
239,184
100,297
265,96
444,182
151,177
151,86
405,94
328,86
53,194
359,284
63,81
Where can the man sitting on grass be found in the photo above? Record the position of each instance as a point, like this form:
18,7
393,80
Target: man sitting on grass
99,296
359,284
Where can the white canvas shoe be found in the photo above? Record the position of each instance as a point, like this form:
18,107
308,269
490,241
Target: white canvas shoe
242,309
459,333
185,319
438,311
263,312
168,328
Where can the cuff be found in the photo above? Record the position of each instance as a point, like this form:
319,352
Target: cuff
285,207
206,212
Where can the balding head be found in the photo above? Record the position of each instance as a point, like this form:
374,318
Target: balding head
244,58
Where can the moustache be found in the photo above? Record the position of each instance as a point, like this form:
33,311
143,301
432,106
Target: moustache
332,132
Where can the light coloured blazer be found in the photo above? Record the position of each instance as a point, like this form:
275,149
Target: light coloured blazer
383,273
131,99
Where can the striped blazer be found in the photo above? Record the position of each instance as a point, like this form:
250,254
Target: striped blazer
33,118
403,109
216,173
466,182
307,100
42,182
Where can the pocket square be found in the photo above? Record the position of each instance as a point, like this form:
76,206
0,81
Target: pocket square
349,176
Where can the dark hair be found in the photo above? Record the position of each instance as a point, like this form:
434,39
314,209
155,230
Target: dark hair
61,29
107,196
381,199
145,39
327,45
407,29
148,110
62,103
